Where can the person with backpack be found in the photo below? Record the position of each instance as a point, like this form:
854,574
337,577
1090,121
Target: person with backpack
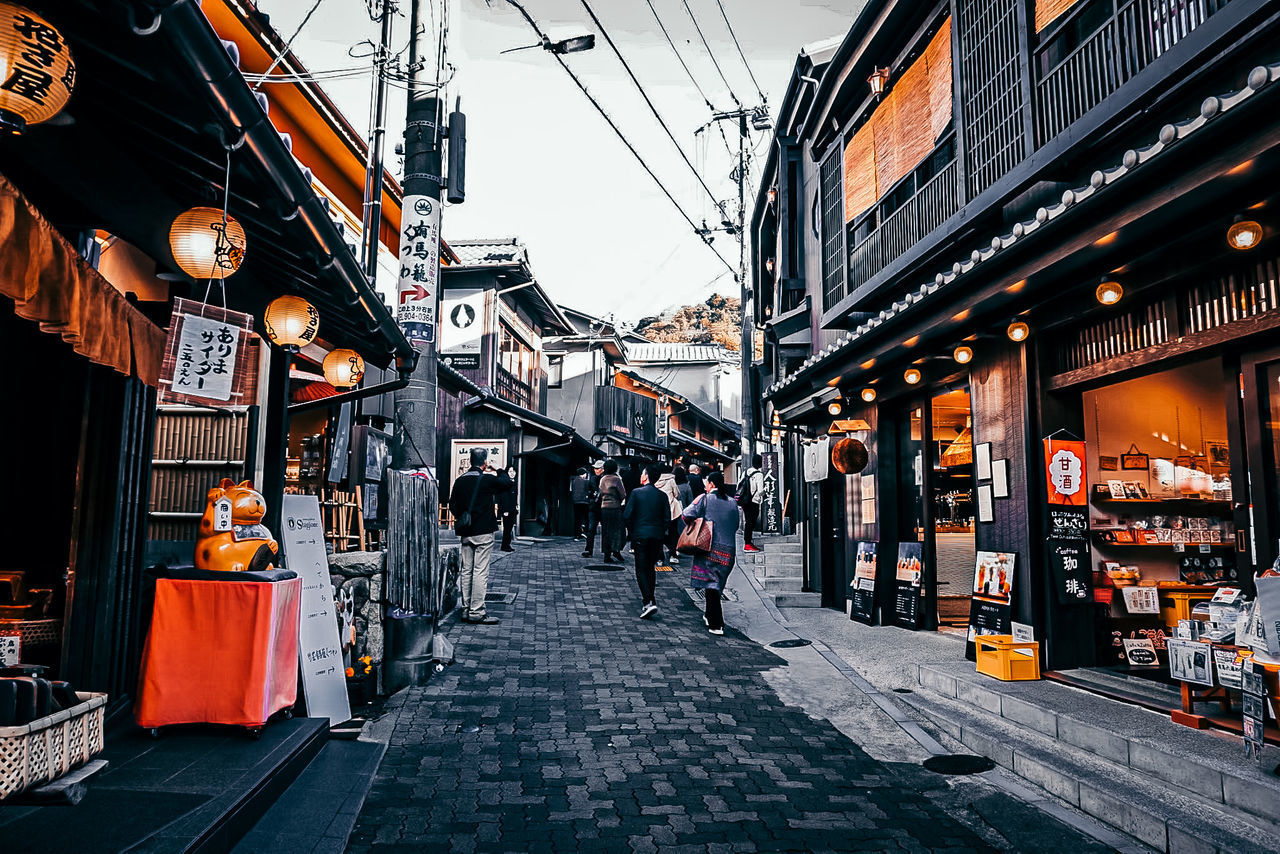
472,501
750,494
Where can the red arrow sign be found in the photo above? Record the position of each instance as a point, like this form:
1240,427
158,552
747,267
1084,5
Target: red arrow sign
417,292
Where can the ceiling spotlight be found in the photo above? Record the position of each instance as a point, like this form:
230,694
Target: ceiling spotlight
912,376
963,354
1109,293
1018,331
1244,234
868,394
834,408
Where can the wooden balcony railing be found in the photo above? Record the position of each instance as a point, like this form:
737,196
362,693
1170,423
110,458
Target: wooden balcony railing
1137,34
936,200
625,412
512,390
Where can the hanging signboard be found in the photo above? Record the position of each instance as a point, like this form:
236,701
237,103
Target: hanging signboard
419,267
1068,515
862,590
771,501
1064,472
990,606
462,327
211,357
907,577
324,682
817,460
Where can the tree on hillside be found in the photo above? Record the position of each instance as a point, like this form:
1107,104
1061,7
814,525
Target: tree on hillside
716,321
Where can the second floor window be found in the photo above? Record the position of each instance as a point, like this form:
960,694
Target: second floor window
555,371
515,357
832,225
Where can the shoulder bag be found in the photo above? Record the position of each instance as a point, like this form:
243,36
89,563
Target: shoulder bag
464,520
695,539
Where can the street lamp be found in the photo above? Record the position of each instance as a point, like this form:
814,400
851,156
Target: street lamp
573,44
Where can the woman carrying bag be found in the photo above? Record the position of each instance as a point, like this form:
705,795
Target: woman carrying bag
711,567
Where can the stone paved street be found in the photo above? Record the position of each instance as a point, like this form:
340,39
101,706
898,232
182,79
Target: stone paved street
599,731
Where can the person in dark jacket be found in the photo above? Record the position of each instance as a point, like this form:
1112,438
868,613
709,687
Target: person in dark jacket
472,504
612,497
593,516
647,516
507,509
580,495
696,486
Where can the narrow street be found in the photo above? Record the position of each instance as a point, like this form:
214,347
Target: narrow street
575,725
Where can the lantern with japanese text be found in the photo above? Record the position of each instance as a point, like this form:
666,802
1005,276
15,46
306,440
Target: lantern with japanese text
291,322
205,245
36,70
343,368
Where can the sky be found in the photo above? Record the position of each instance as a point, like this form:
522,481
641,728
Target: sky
543,166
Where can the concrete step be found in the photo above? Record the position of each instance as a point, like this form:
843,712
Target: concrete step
798,600
783,585
782,548
1133,738
771,539
783,570
1159,815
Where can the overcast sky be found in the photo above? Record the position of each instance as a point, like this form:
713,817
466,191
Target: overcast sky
544,167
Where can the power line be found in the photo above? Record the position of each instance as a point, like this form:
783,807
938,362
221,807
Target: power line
734,36
604,32
683,64
618,132
287,45
711,53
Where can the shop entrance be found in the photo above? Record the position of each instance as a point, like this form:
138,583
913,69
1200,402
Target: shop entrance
952,498
1261,375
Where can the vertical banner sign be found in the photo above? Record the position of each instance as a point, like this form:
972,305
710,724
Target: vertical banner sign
771,501
461,328
990,606
419,268
664,417
1067,541
907,575
210,357
862,594
324,682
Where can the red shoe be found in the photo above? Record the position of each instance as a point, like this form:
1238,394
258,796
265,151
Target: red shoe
749,547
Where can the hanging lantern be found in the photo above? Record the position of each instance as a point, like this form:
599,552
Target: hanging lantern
1018,331
291,321
343,368
849,456
37,72
878,80
203,247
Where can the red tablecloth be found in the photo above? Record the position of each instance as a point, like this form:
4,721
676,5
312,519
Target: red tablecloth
223,652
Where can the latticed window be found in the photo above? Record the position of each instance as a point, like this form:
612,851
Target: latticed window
832,229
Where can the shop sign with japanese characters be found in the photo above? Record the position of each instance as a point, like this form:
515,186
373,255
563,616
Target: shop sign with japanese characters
209,358
1064,471
419,267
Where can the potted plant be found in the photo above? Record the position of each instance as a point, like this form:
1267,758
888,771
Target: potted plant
362,681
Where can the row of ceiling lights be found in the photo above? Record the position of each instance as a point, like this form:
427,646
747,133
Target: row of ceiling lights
1242,235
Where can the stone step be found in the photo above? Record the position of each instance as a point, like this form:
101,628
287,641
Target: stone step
783,570
792,584
770,539
798,600
1164,817
1134,739
782,548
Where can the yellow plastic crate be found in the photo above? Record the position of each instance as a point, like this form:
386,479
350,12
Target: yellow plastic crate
998,657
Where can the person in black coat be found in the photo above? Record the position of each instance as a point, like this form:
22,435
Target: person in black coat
507,509
696,486
646,516
472,502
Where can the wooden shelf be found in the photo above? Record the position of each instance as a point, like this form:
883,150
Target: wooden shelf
1202,502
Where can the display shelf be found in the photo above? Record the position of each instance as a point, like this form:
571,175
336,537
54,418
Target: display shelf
1167,545
1198,502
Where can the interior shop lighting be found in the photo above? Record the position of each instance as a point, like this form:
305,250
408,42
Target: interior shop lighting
1018,331
1244,234
1109,292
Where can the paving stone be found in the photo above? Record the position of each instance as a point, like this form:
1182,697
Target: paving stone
600,731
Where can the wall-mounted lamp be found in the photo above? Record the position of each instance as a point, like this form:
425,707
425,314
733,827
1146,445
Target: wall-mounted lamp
878,80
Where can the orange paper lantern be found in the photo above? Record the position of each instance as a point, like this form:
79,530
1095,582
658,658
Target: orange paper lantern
37,73
203,246
343,368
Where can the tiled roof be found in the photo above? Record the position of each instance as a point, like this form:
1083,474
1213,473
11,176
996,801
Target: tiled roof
489,253
1213,106
662,352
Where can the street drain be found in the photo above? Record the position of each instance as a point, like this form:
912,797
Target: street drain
504,598
790,643
605,567
903,691
958,763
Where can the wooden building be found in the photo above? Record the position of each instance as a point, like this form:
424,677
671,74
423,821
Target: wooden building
988,224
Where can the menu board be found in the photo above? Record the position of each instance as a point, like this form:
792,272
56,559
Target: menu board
324,683
862,590
907,577
990,610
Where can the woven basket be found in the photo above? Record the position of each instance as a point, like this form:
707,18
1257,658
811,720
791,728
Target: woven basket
49,747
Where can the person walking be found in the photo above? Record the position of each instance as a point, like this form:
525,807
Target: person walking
684,494
647,516
472,505
593,516
612,496
750,494
580,496
507,504
711,570
667,484
696,486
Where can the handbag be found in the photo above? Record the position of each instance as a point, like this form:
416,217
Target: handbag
464,520
695,539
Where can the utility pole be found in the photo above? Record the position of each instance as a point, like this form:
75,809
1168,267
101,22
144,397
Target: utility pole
372,213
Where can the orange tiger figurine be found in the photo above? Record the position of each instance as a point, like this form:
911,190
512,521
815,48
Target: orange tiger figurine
232,536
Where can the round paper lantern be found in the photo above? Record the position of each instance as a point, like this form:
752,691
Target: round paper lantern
343,368
203,247
36,67
291,321
849,456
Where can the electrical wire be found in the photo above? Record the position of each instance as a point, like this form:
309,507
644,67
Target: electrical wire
711,53
289,44
683,64
683,156
763,100
618,132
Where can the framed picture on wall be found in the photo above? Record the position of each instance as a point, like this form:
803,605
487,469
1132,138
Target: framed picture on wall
1000,478
983,460
986,506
